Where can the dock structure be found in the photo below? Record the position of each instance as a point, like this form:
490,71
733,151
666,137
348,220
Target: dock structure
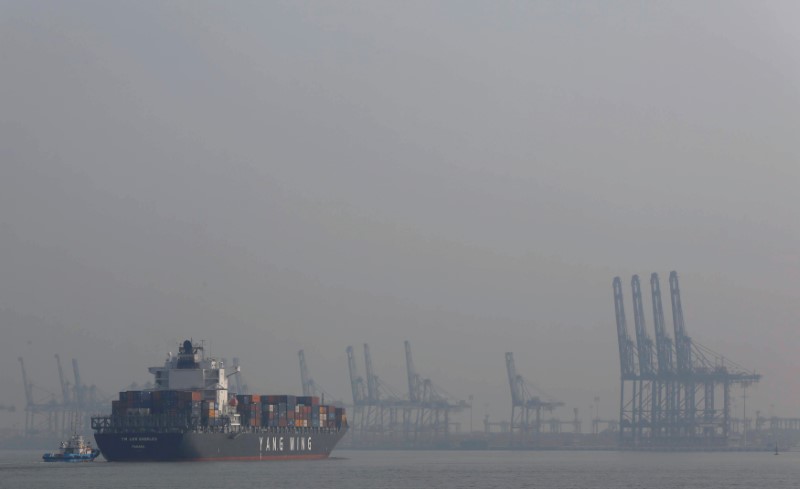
48,414
421,418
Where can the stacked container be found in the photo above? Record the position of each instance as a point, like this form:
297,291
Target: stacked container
286,411
170,402
209,413
132,403
255,411
249,408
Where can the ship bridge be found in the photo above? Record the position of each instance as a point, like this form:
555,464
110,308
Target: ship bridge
192,370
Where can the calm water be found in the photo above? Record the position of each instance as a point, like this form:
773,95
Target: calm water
438,470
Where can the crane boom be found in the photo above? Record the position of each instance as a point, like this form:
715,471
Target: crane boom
372,380
356,382
683,343
644,345
663,341
514,380
413,379
79,394
627,366
64,385
307,383
27,385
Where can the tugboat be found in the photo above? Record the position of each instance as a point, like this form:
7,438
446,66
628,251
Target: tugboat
77,449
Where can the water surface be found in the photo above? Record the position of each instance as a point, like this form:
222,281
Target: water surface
423,469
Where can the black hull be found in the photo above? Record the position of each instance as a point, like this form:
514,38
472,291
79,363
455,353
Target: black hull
204,446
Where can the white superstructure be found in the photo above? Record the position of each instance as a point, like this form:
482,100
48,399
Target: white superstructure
191,370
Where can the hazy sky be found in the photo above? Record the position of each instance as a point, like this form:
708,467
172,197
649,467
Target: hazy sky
470,176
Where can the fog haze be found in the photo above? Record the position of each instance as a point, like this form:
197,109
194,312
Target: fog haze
468,176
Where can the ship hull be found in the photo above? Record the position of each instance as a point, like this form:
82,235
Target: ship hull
207,446
57,457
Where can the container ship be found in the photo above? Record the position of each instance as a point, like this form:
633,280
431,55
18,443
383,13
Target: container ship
191,415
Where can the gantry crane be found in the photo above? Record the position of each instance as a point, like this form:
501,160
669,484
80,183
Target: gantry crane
359,395
69,413
523,403
30,405
432,404
627,363
64,384
310,387
375,405
665,410
683,349
645,389
374,408
381,405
